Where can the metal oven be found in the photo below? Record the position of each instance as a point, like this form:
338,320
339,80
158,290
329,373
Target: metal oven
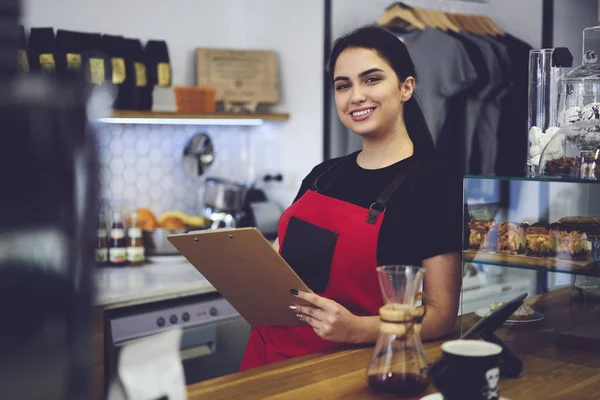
214,334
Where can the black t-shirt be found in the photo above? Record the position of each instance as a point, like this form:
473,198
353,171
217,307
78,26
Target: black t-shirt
423,216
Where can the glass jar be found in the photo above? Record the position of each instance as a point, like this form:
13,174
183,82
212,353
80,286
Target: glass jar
572,148
573,152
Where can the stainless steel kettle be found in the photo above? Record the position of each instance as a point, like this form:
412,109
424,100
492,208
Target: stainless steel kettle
223,195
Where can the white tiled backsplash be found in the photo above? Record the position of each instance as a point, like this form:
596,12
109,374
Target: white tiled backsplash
142,165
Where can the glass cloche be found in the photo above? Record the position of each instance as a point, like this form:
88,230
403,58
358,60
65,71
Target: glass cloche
571,149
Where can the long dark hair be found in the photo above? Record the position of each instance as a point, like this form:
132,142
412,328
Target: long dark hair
391,49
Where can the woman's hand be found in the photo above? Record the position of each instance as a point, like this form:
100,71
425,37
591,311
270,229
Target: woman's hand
329,320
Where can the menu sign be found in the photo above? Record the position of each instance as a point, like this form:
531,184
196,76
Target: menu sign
239,75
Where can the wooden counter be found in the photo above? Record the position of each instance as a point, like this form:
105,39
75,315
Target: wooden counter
550,372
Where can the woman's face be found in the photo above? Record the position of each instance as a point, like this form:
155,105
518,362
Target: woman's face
368,95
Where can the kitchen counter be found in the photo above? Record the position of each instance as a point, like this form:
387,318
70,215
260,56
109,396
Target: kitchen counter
162,278
550,372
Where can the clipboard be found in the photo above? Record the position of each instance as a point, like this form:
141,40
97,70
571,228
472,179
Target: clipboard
248,272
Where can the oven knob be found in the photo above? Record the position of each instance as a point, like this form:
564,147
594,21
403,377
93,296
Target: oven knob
160,321
173,319
185,317
213,311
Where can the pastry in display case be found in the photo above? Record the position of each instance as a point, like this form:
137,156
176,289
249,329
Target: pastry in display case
512,238
540,241
559,243
539,244
483,234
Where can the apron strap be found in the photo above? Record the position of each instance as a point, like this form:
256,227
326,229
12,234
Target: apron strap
379,206
326,183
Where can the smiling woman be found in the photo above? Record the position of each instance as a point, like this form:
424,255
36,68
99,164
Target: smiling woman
384,205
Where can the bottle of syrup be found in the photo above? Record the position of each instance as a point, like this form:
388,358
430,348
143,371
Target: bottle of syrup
102,241
135,242
117,253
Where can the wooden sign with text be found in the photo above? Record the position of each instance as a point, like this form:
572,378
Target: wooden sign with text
239,75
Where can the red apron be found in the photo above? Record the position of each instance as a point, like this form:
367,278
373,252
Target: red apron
332,246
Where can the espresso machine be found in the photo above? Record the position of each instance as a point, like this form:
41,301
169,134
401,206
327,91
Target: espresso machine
229,204
47,228
232,205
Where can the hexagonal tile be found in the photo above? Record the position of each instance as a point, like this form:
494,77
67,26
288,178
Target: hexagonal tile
116,186
156,192
154,139
155,174
143,183
166,199
116,129
155,156
116,146
143,200
181,191
167,148
142,146
116,166
178,204
130,194
129,138
167,183
143,165
129,156
130,175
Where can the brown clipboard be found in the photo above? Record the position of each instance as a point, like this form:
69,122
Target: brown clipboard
248,272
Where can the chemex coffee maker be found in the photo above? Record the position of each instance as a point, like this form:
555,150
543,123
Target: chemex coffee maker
47,224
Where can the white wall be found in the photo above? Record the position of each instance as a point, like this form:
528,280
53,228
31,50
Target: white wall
294,29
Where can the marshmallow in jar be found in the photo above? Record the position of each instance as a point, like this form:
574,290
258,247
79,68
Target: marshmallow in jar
538,141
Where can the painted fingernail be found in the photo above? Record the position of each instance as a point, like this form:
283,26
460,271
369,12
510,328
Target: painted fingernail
293,308
299,316
294,292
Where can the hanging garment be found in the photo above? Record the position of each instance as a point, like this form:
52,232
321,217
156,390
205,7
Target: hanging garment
512,130
477,129
485,153
451,142
443,70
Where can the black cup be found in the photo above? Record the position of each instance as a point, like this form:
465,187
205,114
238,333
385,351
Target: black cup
468,369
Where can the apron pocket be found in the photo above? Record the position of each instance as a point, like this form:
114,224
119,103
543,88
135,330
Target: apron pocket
308,249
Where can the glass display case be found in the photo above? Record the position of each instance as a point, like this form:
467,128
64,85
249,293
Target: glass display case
535,235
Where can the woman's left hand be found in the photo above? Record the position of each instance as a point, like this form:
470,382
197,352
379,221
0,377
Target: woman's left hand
329,320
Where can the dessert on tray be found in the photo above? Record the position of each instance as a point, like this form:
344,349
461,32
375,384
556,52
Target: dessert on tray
483,234
540,241
511,238
573,244
522,313
568,239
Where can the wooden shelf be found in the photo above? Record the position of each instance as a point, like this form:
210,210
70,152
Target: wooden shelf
169,117
589,267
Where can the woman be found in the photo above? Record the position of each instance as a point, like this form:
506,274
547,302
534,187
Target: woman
384,205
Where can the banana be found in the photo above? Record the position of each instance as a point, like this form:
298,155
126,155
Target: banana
190,220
